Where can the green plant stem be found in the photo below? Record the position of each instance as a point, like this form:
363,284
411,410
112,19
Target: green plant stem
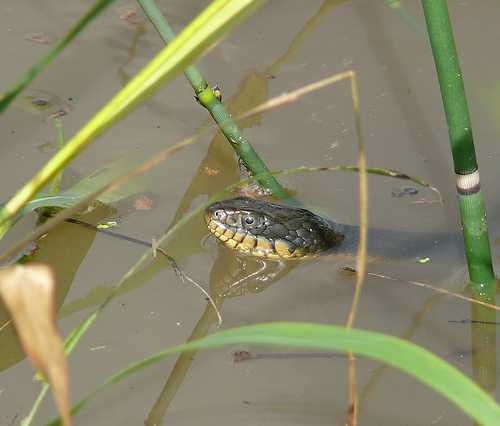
209,100
167,35
451,83
477,246
472,211
215,20
36,405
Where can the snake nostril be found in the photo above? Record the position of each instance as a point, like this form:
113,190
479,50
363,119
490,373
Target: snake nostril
220,215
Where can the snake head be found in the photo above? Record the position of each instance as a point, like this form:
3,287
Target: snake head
264,229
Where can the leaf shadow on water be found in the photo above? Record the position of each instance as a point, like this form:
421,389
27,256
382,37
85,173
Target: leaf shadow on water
53,250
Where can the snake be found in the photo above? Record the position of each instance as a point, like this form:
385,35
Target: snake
265,229
274,231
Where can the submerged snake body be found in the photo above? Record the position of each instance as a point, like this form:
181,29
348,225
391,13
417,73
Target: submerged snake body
264,229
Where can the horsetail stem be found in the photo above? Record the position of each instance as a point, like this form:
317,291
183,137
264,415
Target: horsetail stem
470,199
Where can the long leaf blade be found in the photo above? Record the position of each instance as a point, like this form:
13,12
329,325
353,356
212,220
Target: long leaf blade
408,357
208,27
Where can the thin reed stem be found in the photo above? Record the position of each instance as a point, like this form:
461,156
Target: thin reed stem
470,199
211,100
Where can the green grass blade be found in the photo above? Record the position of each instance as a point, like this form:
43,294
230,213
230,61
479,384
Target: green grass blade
408,357
104,176
28,420
11,94
202,32
89,184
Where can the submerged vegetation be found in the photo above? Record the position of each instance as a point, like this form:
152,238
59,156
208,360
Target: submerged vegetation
29,289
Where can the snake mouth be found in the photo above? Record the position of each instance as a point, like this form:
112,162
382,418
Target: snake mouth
245,242
226,225
264,229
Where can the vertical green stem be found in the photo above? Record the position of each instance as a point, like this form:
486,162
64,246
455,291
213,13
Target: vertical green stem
212,103
472,211
470,199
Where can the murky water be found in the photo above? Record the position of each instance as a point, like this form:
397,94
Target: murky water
285,45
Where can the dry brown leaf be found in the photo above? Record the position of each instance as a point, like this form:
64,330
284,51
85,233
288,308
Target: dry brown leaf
28,294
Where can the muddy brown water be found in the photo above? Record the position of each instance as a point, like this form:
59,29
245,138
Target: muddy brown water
286,44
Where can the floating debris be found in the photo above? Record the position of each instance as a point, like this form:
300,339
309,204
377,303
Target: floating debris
405,191
39,38
98,348
252,190
209,171
143,202
61,112
41,102
132,16
47,147
107,225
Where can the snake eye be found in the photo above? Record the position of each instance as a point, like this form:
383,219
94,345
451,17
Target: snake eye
249,220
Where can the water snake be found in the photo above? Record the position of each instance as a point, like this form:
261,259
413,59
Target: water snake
274,231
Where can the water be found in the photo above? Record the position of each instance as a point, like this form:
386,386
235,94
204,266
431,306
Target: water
277,50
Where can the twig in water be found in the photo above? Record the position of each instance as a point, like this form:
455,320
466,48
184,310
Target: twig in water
240,356
469,321
154,246
424,285
184,277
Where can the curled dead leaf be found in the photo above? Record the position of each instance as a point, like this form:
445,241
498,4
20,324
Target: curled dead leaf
28,294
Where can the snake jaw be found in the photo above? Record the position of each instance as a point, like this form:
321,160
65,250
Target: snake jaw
228,227
264,229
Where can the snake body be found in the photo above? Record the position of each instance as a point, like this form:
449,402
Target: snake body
267,230
264,229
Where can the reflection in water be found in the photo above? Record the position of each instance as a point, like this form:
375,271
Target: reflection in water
244,275
139,31
384,52
65,261
231,276
220,156
483,339
483,343
305,32
43,103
